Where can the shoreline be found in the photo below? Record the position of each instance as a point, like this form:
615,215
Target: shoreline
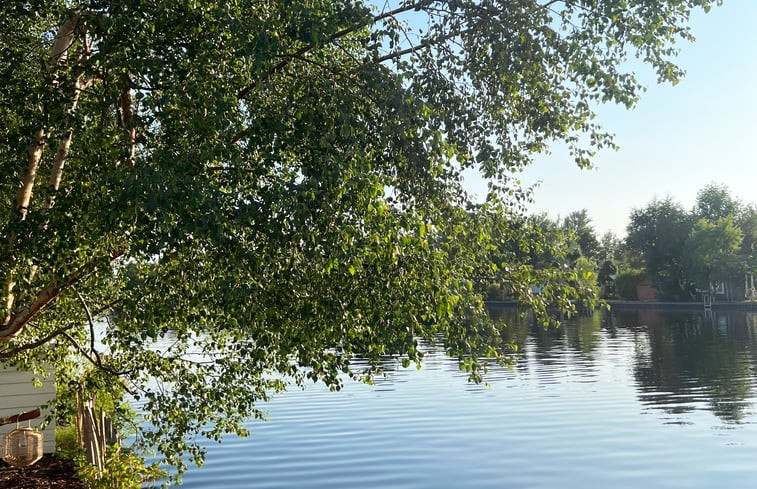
662,305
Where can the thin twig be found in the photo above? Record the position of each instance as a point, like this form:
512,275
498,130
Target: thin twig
333,37
91,328
114,373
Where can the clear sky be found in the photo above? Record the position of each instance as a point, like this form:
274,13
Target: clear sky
678,138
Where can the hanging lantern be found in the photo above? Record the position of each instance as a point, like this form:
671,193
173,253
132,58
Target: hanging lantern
22,447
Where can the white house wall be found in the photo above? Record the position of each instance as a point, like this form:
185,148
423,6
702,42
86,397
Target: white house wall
18,394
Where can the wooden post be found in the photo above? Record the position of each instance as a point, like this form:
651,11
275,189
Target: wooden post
91,433
95,431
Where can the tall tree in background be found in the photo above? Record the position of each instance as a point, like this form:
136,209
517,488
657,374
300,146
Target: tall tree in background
578,225
715,252
659,232
283,180
610,247
715,202
746,221
711,252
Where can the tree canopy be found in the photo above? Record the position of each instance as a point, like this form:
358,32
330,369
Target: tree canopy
659,231
712,252
578,224
684,251
715,202
282,182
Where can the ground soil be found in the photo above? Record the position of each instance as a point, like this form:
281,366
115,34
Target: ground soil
49,473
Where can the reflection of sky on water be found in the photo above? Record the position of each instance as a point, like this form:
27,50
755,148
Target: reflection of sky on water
618,400
681,361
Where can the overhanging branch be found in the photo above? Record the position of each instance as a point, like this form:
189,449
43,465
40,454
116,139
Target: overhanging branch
35,344
333,37
18,320
91,322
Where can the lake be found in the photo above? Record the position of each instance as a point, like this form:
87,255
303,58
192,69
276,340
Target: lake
624,400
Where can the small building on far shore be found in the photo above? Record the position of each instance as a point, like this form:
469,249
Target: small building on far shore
646,291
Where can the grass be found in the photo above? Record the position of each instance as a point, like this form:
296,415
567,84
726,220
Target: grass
66,445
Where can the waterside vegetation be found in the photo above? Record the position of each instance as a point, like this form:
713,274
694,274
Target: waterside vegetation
669,253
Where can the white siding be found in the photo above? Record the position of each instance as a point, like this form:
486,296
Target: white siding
18,394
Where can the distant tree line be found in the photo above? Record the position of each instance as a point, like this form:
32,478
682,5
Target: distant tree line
669,253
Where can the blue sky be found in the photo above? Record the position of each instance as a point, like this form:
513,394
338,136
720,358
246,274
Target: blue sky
678,138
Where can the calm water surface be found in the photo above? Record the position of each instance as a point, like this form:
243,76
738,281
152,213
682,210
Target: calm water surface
625,400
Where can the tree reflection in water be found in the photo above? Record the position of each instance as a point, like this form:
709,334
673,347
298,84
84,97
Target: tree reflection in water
682,361
686,360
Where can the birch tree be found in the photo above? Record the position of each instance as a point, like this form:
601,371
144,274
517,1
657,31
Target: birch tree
282,180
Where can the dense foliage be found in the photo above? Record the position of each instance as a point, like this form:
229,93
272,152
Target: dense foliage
250,193
680,254
685,251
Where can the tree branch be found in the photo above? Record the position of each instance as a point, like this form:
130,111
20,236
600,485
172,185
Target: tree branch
422,45
91,327
333,37
298,54
100,366
56,175
17,321
20,319
125,106
108,306
34,155
30,346
64,39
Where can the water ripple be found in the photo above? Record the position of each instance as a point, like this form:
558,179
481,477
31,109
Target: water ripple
660,405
